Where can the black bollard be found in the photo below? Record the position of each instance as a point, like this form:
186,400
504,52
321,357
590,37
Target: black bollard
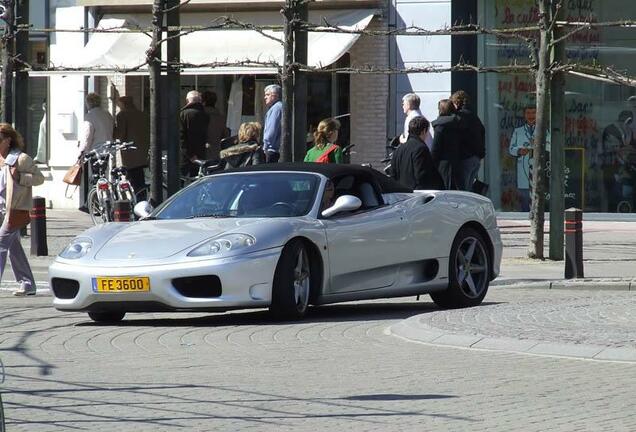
573,243
38,227
121,211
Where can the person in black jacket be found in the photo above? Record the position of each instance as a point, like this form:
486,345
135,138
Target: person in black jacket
411,163
447,151
474,142
194,132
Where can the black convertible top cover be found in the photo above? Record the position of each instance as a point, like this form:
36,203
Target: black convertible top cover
331,171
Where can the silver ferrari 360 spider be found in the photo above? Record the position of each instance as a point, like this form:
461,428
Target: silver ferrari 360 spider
283,236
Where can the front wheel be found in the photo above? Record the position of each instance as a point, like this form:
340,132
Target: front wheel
106,317
98,210
468,271
292,282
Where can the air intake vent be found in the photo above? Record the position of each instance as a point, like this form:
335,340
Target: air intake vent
198,286
64,288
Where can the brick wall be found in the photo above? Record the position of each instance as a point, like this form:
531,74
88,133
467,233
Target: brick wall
369,97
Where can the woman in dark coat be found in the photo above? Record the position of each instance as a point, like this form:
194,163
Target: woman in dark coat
411,163
447,149
248,151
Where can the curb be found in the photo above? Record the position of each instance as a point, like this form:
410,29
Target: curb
413,330
572,284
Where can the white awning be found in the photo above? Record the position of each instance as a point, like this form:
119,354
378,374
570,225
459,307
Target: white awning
116,51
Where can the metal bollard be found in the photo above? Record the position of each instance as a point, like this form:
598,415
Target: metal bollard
573,243
38,227
121,211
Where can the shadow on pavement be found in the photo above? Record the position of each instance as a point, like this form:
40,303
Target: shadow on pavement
330,313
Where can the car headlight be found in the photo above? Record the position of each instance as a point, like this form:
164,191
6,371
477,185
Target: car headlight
77,248
222,245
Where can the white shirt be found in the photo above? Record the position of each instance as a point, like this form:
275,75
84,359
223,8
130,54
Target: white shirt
428,139
3,188
96,129
522,137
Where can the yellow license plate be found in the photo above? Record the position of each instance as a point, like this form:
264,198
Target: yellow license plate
121,284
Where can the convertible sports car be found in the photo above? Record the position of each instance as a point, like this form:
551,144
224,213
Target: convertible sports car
283,236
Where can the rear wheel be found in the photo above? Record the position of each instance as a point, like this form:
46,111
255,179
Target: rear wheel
106,317
468,271
292,282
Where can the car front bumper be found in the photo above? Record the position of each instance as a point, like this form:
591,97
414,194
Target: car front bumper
246,281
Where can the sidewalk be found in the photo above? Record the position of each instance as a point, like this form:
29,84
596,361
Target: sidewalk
609,257
609,253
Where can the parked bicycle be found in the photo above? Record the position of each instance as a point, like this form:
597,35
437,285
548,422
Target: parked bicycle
109,182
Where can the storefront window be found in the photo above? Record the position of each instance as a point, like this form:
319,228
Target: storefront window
600,148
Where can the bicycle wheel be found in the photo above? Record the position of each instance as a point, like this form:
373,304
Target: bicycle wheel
99,212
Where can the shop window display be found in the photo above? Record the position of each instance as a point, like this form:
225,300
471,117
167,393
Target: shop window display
600,143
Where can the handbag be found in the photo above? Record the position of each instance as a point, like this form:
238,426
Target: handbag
18,219
479,187
74,174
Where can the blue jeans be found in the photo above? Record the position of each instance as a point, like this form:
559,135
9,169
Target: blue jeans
468,173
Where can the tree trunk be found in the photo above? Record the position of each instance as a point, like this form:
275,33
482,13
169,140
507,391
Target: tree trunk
287,84
8,50
537,209
154,67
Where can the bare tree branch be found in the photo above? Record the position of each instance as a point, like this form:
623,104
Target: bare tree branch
165,11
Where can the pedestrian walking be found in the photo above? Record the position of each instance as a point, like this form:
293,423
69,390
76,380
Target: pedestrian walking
194,132
325,149
132,124
447,142
272,127
18,174
216,126
97,129
411,107
411,163
247,151
473,147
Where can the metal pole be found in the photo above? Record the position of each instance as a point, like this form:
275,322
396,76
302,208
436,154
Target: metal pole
287,84
8,50
573,243
21,75
299,147
557,158
173,19
154,67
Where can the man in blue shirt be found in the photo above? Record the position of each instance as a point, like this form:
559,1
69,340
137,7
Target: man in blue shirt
272,128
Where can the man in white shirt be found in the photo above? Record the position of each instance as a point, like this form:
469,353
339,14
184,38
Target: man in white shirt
521,146
96,129
98,124
411,107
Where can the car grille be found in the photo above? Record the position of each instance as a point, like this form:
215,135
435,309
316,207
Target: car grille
64,288
198,286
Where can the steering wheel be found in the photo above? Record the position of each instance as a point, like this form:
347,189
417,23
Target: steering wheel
282,204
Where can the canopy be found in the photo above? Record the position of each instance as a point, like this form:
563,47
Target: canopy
112,52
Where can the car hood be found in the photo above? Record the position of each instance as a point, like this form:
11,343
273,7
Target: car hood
151,240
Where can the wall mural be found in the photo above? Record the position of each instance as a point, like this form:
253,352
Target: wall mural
600,171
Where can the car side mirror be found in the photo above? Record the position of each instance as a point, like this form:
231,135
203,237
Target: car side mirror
143,209
342,204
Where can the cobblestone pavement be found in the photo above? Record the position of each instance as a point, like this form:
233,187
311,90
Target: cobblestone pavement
338,370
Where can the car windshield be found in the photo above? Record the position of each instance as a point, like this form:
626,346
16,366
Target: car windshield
243,195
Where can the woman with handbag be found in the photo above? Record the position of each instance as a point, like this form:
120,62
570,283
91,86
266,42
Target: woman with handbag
18,173
325,150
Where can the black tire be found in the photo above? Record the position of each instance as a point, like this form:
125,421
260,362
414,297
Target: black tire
99,214
469,271
292,286
107,317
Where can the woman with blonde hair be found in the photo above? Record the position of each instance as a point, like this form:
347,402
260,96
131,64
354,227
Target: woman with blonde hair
325,150
18,174
247,151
